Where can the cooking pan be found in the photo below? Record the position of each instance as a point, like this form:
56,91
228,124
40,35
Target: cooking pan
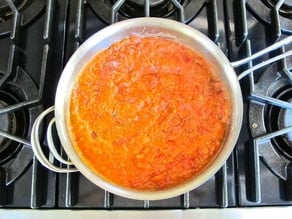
102,40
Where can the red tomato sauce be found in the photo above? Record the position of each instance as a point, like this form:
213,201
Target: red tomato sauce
148,113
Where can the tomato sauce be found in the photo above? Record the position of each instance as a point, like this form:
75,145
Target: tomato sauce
148,113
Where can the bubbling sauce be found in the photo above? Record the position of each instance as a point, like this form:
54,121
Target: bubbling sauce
148,113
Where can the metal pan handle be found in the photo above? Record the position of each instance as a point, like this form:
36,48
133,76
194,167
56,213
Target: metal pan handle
37,148
273,47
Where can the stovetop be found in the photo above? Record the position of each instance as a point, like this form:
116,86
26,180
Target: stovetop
38,37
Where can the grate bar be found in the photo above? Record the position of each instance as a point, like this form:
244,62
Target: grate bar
34,200
223,198
270,100
43,188
214,29
146,204
242,23
108,199
147,8
186,200
72,188
181,12
15,138
14,35
2,187
250,65
255,173
79,22
49,21
275,18
19,106
269,136
44,68
254,157
288,183
115,9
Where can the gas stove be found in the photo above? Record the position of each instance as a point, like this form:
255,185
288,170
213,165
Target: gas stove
38,37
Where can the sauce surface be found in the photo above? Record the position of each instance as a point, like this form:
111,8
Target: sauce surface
148,113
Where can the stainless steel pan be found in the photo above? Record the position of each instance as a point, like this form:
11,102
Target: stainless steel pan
102,40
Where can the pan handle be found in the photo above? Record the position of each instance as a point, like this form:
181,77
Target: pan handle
37,148
273,47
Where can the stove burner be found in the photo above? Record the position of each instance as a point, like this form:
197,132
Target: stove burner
158,8
135,8
28,10
12,123
266,118
15,157
264,8
279,118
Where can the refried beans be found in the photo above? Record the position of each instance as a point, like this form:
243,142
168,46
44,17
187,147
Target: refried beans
148,113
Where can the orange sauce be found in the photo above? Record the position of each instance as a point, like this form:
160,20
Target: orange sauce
148,113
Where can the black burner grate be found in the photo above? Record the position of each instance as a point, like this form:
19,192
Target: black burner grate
38,38
262,165
23,81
